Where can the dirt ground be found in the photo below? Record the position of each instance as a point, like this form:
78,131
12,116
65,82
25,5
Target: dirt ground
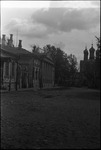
51,119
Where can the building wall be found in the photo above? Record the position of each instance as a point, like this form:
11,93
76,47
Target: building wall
47,74
36,71
90,73
9,80
29,69
27,75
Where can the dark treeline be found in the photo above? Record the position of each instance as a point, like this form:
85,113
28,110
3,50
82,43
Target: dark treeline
65,65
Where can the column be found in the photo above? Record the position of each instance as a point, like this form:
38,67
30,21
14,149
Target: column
20,77
15,76
4,70
9,76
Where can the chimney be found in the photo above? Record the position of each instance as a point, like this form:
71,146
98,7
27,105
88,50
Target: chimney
11,40
3,39
20,44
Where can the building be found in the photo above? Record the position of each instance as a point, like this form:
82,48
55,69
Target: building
8,65
90,68
23,69
47,70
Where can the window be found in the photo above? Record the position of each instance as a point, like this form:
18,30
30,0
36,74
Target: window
7,68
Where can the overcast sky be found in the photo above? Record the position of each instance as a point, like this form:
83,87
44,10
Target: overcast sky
70,25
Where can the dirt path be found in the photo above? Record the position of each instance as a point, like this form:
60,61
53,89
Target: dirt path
59,119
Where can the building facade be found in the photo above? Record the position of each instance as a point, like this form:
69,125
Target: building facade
8,70
90,68
23,69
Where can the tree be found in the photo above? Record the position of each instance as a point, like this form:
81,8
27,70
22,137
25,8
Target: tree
72,67
98,43
52,50
35,49
65,66
97,62
98,40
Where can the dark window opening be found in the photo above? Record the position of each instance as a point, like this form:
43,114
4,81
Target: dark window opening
13,67
7,69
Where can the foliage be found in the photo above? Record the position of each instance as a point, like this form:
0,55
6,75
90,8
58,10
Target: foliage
65,66
98,40
98,43
35,49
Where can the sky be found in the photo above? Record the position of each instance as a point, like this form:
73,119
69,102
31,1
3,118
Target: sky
70,25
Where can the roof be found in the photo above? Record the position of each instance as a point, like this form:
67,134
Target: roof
4,53
44,57
24,55
15,50
4,56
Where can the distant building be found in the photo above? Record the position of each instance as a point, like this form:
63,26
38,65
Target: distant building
23,69
90,68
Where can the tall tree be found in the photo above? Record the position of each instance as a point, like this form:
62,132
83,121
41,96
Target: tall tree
72,66
65,66
35,48
98,40
97,62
